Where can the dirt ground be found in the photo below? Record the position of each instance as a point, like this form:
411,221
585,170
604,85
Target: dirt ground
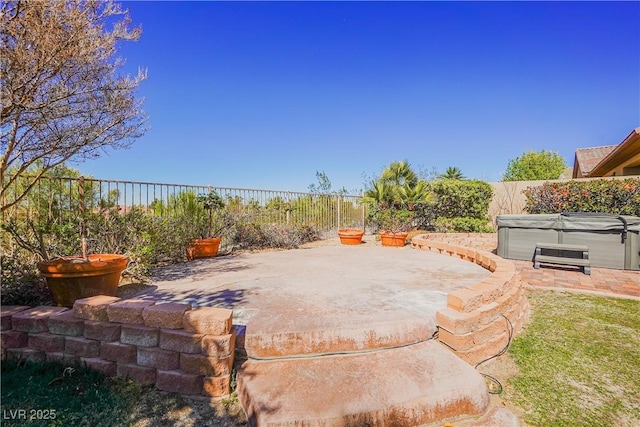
503,369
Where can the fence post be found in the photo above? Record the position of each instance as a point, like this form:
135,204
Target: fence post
288,207
81,206
339,209
363,205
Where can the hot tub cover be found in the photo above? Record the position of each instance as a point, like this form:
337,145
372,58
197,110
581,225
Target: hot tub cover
571,221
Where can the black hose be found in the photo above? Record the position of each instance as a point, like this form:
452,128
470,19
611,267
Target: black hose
500,353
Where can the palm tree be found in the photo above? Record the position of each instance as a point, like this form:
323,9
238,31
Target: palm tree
399,174
412,195
380,194
452,173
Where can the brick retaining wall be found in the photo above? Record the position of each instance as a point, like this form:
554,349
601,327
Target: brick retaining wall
472,325
170,345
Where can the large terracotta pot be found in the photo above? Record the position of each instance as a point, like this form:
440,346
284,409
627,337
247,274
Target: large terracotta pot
351,236
203,248
388,238
72,278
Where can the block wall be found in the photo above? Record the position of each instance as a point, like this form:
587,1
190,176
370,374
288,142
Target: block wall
171,345
474,324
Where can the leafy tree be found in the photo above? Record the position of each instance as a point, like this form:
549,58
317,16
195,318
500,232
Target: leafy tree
61,94
452,173
533,166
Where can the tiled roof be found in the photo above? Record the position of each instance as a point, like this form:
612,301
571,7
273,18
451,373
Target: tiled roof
588,158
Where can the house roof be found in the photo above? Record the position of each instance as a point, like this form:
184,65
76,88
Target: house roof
588,158
627,149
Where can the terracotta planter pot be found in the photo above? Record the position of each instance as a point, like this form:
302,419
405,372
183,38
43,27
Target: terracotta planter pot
388,238
203,248
72,278
351,236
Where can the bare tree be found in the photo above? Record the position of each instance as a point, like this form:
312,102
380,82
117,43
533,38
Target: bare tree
62,96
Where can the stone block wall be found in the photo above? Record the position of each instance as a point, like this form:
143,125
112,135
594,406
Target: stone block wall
474,324
171,345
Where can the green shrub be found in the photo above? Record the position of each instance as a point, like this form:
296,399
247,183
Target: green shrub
455,199
462,225
618,197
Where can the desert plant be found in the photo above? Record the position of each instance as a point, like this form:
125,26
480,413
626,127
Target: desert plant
20,283
453,173
253,235
393,220
49,221
213,204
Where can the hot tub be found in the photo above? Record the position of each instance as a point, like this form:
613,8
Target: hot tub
613,241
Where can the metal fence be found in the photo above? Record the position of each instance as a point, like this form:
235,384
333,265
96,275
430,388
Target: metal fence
68,198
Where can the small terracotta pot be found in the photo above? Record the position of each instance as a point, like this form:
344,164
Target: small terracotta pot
72,278
350,236
203,248
388,238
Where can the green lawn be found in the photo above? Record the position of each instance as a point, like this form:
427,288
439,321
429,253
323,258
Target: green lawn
579,361
55,395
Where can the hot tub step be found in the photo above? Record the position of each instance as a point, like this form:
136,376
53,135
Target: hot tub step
563,254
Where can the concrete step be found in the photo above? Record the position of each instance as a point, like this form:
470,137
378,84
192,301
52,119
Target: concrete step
406,386
283,334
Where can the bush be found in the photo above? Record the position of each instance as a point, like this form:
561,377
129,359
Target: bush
253,235
392,220
617,197
462,225
21,283
455,199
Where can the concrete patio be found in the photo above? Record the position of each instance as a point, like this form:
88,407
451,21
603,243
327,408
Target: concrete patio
341,335
338,334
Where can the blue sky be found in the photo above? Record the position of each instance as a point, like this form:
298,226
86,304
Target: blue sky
264,94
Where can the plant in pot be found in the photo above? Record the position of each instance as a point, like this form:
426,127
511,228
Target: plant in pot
394,225
217,220
42,232
350,235
74,277
393,200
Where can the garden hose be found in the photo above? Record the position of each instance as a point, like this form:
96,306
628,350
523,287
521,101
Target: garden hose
500,353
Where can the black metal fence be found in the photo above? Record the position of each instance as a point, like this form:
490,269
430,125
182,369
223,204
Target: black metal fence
65,200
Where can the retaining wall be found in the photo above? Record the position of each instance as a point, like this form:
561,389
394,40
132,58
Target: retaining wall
170,345
473,324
